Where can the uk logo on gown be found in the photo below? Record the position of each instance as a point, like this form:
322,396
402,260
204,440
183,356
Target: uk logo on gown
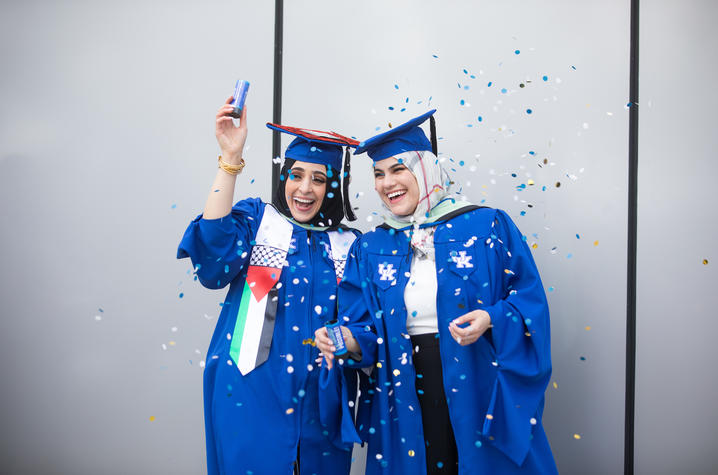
386,271
462,260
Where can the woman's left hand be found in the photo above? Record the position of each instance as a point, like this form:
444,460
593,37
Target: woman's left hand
479,321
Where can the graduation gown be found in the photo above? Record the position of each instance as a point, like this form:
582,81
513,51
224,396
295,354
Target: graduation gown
254,424
495,386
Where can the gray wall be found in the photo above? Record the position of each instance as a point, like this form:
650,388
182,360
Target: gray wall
107,151
676,385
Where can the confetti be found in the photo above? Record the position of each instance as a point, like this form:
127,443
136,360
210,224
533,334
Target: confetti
289,411
705,261
152,418
411,453
577,436
588,328
595,243
555,385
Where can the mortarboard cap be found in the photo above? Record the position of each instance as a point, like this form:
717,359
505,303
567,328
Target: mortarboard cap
315,146
402,138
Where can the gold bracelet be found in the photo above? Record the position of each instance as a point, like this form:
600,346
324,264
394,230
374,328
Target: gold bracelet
231,169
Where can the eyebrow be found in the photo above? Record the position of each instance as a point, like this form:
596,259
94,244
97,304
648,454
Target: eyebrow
315,172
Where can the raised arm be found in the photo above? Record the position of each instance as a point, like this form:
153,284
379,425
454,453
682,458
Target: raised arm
231,141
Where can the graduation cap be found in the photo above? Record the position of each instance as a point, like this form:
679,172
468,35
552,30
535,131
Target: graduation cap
402,138
324,148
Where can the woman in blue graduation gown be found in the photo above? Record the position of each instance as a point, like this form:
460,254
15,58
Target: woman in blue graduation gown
263,410
461,357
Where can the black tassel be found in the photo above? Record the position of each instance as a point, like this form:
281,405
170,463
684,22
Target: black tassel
432,128
348,212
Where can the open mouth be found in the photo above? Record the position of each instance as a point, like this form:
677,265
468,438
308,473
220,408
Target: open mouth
303,204
396,196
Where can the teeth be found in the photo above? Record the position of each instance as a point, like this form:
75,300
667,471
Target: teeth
303,201
394,194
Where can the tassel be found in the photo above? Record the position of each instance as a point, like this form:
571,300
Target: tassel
348,212
432,127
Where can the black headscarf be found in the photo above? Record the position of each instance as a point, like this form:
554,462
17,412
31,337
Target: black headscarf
331,211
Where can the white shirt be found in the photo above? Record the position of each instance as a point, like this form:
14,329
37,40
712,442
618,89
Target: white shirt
420,295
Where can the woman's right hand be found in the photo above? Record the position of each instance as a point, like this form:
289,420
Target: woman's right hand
230,138
325,345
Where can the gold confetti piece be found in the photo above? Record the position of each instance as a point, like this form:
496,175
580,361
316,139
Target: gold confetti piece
393,252
152,418
576,436
172,343
397,372
705,262
378,365
588,328
595,243
290,411
527,334
558,184
490,417
534,246
555,385
530,182
411,453
309,341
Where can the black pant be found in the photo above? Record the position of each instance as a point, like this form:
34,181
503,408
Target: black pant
441,455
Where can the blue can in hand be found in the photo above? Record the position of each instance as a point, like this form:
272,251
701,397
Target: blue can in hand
334,330
241,88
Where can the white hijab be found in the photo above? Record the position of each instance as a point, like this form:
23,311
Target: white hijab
433,184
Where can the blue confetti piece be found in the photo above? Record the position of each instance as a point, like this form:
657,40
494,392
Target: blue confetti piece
545,78
226,269
377,128
517,52
173,206
569,256
583,358
489,84
435,56
461,163
578,237
251,181
481,119
466,72
472,76
466,88
529,111
477,444
462,102
402,109
181,294
573,67
503,91
551,289
391,108
396,86
523,213
330,195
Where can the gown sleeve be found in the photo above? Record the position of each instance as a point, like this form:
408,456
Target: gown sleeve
219,248
521,340
352,308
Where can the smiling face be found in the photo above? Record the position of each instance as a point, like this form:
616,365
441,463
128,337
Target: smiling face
396,186
305,190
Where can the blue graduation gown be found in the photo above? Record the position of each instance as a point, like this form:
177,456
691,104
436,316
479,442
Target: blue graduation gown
495,386
254,423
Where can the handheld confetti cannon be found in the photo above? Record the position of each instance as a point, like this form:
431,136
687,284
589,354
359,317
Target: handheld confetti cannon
334,330
241,88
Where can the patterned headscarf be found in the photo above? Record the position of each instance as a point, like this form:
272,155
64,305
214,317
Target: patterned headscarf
433,184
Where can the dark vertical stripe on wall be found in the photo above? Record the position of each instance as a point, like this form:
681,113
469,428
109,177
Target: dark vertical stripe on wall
277,112
632,237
